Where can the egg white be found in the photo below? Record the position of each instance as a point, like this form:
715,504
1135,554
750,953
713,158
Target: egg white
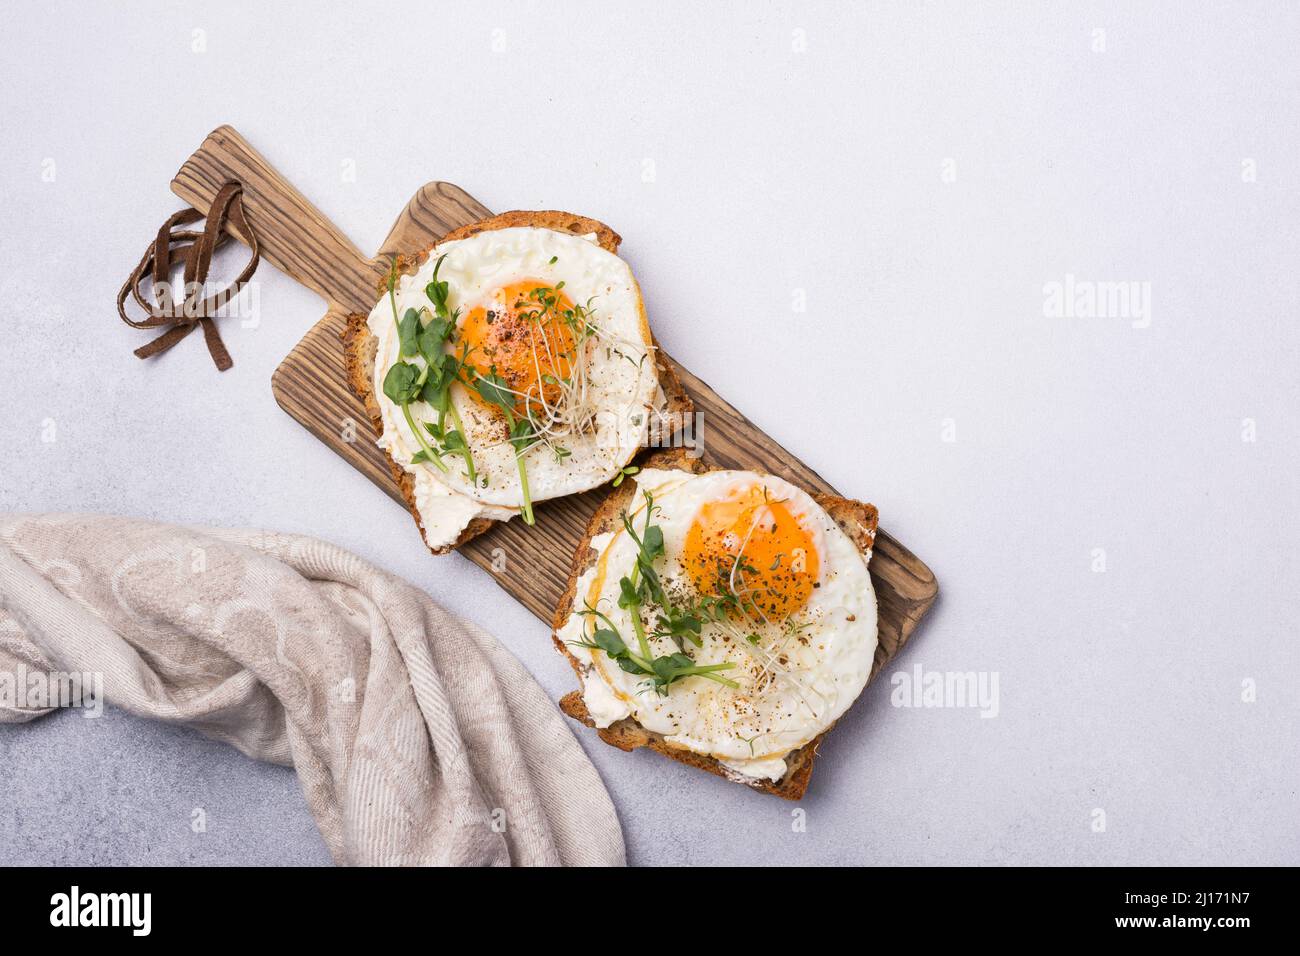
778,708
622,380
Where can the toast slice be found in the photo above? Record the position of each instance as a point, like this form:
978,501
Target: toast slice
856,519
359,346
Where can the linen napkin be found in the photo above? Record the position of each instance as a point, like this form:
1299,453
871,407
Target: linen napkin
416,737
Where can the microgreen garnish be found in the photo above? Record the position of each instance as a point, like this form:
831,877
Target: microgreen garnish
496,391
430,382
408,333
643,588
625,473
450,368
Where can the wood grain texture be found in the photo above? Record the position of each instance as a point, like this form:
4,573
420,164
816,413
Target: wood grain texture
310,384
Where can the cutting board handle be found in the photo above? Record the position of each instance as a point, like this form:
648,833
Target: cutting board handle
293,234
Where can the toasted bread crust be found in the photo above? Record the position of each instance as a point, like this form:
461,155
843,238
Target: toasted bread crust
554,219
360,347
857,519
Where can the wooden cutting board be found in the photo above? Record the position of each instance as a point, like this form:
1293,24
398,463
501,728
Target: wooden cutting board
532,564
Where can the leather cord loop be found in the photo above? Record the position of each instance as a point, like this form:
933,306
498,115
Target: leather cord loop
193,250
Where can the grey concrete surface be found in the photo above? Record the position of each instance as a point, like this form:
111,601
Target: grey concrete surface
917,179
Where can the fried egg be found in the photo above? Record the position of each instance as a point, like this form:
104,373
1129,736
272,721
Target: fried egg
798,624
556,321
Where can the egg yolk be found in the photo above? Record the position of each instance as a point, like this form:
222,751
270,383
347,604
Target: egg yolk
524,338
777,567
